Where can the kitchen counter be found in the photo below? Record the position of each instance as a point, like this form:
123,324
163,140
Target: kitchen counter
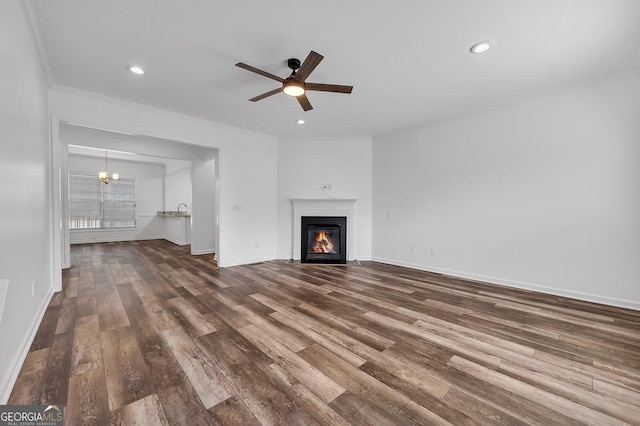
177,226
173,213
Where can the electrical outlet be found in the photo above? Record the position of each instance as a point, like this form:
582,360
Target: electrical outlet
34,288
412,249
434,252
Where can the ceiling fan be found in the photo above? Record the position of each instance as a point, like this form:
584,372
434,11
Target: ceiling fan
296,85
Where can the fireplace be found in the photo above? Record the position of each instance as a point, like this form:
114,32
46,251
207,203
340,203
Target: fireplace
323,208
323,239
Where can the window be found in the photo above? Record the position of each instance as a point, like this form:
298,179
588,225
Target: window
94,205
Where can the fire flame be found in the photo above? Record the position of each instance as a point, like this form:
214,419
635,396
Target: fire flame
322,244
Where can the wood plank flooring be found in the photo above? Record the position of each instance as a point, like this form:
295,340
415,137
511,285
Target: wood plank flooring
145,333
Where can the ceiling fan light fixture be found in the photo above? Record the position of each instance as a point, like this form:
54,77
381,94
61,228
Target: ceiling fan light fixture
295,85
293,88
481,47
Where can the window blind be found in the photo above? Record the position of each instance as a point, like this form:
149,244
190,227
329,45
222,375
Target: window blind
94,205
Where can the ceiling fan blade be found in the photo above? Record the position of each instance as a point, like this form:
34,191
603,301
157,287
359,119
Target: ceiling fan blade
328,87
266,94
309,64
257,71
304,102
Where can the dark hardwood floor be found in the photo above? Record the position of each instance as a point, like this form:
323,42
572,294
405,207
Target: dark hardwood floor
145,333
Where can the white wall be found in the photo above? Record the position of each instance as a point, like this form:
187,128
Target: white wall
26,253
149,199
244,159
305,165
543,195
203,176
177,189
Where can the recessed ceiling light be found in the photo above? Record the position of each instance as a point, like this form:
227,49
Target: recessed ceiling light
136,70
481,47
301,121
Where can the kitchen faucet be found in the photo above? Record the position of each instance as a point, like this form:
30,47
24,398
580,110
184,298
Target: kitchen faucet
181,204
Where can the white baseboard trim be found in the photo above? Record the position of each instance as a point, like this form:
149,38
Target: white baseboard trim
587,297
176,242
205,251
11,376
115,240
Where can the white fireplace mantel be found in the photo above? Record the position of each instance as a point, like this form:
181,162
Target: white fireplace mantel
323,207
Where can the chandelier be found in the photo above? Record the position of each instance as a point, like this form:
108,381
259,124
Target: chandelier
104,176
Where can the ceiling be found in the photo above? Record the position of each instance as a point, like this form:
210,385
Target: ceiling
409,61
171,165
92,142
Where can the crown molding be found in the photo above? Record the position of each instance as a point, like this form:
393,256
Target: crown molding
325,139
31,18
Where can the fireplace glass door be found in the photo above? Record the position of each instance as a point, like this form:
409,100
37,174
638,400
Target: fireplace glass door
323,239
323,242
